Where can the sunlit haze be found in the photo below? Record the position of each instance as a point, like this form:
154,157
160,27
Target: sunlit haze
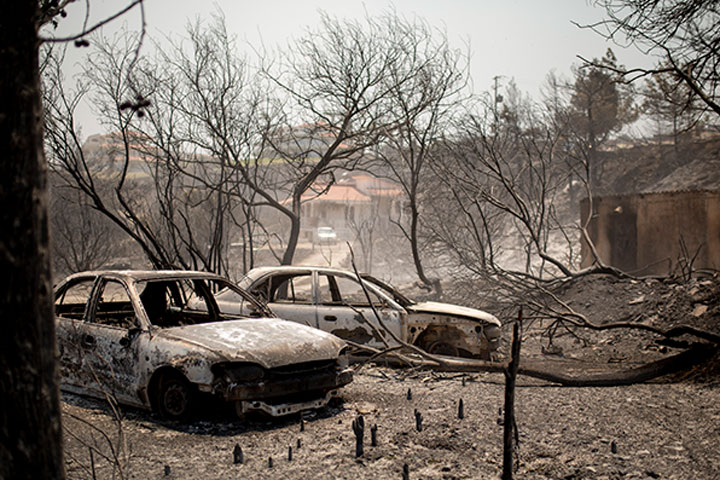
520,40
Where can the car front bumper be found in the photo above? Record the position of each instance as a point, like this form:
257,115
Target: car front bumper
280,409
285,396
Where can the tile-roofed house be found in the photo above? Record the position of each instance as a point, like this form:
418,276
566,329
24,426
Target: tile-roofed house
349,203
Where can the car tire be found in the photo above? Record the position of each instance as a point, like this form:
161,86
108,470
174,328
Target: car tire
176,397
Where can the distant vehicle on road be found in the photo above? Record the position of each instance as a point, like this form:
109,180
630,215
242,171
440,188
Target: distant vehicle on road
334,300
326,234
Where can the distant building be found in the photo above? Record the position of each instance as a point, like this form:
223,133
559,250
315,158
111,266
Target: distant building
649,233
356,201
107,152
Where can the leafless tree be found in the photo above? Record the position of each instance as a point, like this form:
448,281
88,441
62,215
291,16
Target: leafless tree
508,166
168,214
502,204
682,34
343,81
425,104
214,136
209,121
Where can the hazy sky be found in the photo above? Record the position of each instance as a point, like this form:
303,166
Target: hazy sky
517,39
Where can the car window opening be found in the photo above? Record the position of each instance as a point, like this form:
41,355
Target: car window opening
177,303
114,307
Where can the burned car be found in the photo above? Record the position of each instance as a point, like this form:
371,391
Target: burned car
335,301
158,339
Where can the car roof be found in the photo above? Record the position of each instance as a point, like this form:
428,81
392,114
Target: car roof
142,275
260,271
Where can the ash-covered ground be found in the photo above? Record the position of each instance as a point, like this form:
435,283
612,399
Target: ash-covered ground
659,431
668,428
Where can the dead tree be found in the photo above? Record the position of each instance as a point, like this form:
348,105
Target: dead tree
344,80
30,424
505,179
425,108
682,35
167,214
210,119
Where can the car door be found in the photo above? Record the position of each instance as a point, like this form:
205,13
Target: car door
111,340
71,307
290,296
343,309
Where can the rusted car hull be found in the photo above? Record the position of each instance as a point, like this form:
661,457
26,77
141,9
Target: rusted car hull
157,339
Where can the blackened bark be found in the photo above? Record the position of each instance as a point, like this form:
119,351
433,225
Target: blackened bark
294,232
415,248
30,433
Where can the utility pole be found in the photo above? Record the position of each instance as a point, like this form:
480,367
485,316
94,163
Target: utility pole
497,98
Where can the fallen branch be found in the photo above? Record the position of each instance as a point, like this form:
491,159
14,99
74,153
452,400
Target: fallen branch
695,355
579,320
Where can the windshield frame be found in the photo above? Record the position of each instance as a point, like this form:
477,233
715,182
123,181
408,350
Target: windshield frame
391,291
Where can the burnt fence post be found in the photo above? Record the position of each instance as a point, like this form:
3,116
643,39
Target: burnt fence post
358,426
509,425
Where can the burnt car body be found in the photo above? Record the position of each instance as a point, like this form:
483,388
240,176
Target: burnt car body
334,300
157,339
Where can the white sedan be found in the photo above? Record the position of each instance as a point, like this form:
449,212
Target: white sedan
334,300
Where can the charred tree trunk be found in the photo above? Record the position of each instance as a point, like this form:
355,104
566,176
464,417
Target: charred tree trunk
30,433
294,232
414,246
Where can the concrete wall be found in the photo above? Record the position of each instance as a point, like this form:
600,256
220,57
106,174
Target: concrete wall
642,233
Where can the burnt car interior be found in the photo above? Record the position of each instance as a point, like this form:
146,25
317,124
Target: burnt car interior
336,290
114,307
178,302
168,303
289,288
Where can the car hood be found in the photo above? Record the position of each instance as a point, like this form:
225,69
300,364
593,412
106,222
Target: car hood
453,310
269,342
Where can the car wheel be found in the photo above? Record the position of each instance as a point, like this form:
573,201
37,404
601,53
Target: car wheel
443,348
175,396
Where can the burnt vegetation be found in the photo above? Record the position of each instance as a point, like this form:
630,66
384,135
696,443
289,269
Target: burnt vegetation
212,159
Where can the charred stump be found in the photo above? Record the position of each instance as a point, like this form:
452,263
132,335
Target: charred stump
358,426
